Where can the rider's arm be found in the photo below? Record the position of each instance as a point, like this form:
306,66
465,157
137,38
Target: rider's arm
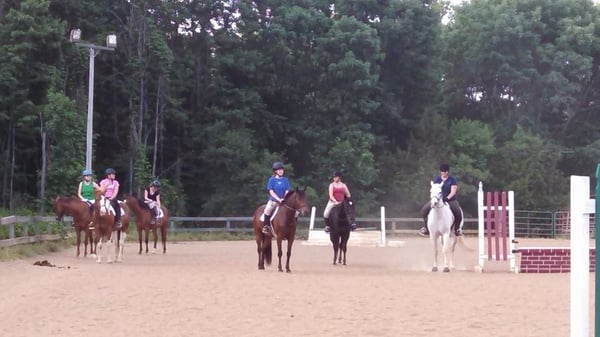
146,199
453,190
275,196
158,200
347,191
115,192
79,190
331,197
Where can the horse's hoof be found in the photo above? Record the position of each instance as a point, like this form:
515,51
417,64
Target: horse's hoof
288,271
434,269
261,268
446,269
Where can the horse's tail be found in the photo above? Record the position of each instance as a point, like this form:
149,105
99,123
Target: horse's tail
461,242
268,251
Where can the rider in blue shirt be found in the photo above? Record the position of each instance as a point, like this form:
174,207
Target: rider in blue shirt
449,193
277,187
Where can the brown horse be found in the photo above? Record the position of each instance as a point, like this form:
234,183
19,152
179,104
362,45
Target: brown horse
284,226
105,232
82,218
143,219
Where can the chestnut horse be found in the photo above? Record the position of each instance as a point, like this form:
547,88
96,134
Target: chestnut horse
284,225
82,219
143,219
105,231
342,218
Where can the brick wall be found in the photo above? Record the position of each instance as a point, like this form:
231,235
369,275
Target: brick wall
549,260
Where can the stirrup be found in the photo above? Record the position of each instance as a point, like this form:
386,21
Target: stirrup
266,230
424,231
327,229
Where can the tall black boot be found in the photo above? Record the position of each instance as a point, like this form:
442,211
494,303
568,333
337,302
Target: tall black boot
117,207
267,225
424,231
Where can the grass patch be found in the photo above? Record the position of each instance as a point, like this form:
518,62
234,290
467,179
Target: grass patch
32,249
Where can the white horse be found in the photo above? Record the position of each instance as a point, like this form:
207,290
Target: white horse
439,223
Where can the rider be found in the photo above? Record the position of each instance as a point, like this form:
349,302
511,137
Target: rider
449,193
111,186
85,190
337,191
277,187
152,199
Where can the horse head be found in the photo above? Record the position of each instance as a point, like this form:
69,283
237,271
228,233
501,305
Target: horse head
296,200
435,194
59,210
348,205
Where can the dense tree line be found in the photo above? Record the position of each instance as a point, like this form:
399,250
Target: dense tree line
205,95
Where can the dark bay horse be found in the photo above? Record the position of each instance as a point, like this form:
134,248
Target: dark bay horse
143,219
82,218
284,226
341,219
105,232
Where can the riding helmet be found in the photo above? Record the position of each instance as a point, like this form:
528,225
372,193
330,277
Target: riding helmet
336,174
277,165
444,167
156,183
110,171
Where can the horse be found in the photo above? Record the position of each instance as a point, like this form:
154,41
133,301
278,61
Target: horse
284,226
82,218
341,219
105,231
439,223
143,219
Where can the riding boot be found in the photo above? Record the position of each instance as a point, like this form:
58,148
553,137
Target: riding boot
266,225
118,224
327,225
424,231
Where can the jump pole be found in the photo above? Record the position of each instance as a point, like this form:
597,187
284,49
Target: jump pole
581,207
597,273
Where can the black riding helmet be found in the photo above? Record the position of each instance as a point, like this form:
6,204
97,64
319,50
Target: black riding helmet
110,171
277,165
336,174
444,167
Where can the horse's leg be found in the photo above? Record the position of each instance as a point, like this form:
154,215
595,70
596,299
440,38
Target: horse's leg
446,250
259,250
163,236
154,234
290,242
434,243
139,231
279,253
341,249
90,236
146,235
123,235
97,239
336,245
110,239
78,235
345,246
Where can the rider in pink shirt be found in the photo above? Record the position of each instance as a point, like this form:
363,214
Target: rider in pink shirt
111,186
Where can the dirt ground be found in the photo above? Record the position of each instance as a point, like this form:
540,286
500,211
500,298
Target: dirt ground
215,289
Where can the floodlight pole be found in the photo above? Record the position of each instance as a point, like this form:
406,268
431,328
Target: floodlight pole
94,50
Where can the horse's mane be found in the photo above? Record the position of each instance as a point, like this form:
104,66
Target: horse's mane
140,202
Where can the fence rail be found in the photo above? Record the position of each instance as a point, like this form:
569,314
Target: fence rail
15,230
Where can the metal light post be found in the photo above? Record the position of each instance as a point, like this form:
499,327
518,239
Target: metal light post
111,44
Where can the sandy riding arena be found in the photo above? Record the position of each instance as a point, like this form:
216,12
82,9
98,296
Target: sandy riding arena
215,289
